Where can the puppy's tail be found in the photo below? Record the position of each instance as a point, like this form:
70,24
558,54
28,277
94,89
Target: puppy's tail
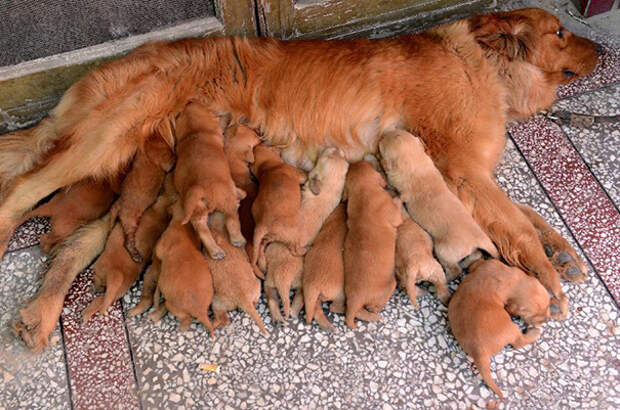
22,150
482,362
284,290
204,319
259,234
311,296
193,197
249,308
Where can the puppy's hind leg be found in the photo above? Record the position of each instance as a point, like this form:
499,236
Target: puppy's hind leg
249,308
203,231
148,289
273,302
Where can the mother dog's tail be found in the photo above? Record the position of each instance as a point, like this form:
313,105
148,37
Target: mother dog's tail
21,150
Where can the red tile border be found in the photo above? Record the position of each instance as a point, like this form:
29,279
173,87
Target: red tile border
580,200
98,353
28,234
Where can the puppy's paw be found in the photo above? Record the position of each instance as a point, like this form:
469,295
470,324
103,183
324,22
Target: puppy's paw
217,254
238,242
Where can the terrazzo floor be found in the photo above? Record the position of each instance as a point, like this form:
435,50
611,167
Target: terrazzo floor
409,360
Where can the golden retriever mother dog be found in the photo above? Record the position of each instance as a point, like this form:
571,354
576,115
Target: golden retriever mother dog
454,86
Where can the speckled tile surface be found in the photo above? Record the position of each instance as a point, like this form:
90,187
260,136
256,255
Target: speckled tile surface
28,233
409,360
598,145
98,356
27,380
584,205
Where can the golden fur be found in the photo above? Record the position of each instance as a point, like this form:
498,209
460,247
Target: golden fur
454,86
283,274
480,309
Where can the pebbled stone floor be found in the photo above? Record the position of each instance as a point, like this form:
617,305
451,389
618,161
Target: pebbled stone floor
409,360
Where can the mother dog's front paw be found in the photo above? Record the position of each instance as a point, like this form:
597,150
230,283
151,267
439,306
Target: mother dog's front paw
566,261
36,323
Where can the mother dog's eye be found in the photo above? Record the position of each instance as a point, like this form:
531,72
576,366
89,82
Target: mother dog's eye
560,33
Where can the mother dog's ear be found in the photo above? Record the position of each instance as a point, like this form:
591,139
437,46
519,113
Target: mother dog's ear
506,35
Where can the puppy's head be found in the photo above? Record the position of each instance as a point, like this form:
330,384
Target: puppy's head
331,164
531,302
264,154
242,140
361,175
396,146
536,37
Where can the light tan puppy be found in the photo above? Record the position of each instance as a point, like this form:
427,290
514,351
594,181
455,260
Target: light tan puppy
415,261
283,274
140,189
115,270
202,176
234,281
323,275
480,309
185,281
457,239
372,219
73,207
321,194
239,146
276,208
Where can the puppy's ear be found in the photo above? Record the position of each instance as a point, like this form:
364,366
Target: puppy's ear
249,156
315,184
506,35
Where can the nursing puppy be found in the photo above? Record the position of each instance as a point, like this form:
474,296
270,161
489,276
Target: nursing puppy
457,238
276,208
480,309
72,208
283,274
202,176
415,262
372,219
115,269
321,194
239,144
234,281
141,187
323,271
185,281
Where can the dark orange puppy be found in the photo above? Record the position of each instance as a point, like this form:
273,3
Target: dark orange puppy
480,309
276,208
202,176
115,270
372,219
234,281
239,149
185,281
323,275
141,187
73,207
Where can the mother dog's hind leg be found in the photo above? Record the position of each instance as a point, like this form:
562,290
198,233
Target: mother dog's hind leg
82,159
512,232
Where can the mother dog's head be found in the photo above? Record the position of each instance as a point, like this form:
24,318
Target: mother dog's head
538,38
